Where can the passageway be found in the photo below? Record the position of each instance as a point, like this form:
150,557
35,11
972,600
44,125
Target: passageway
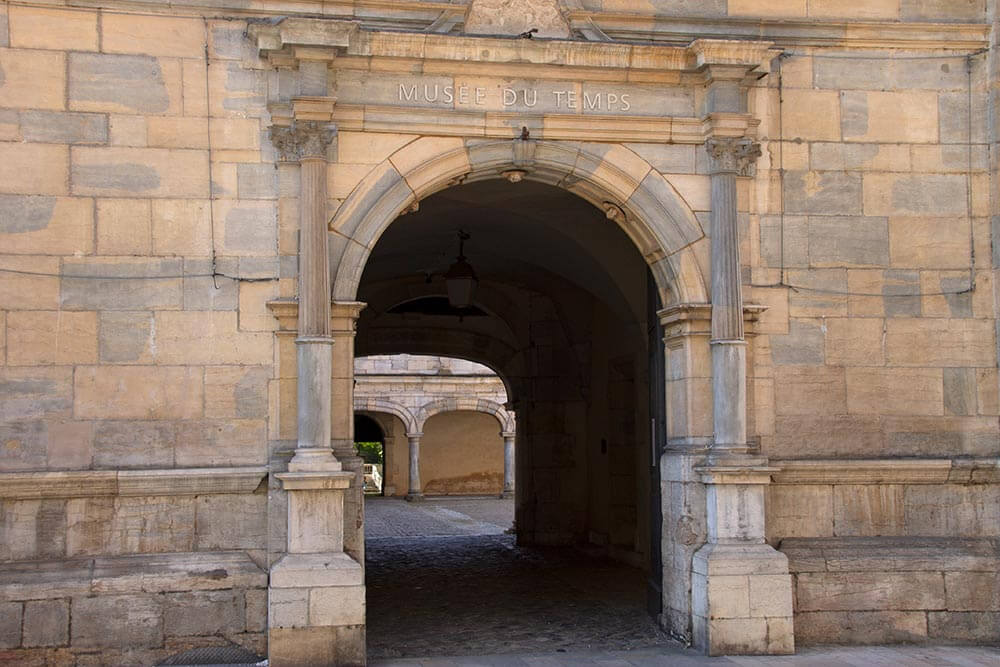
563,309
444,579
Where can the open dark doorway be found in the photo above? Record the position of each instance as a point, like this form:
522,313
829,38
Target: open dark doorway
561,307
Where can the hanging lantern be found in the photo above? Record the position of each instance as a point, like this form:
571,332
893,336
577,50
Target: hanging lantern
460,279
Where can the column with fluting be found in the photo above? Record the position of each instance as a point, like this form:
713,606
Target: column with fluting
307,142
316,592
727,158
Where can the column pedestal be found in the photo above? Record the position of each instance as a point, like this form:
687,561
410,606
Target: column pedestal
741,589
316,596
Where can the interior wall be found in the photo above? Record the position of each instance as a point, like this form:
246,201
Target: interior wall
461,453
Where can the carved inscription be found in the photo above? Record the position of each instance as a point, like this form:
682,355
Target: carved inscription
464,95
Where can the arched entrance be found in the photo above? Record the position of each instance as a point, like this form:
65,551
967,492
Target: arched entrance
563,300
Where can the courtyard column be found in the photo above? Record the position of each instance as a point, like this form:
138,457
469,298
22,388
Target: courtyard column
415,492
508,464
741,591
316,593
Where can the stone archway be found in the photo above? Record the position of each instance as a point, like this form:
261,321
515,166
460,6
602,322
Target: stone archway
614,178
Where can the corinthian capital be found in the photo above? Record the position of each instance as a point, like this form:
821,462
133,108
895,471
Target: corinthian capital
732,154
303,139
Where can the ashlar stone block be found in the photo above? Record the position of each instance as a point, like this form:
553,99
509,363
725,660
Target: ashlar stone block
33,169
137,620
51,337
32,79
203,613
50,28
10,624
124,84
153,35
46,623
138,392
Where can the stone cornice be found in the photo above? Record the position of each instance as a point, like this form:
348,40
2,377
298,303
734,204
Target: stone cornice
162,482
286,311
695,319
438,18
888,471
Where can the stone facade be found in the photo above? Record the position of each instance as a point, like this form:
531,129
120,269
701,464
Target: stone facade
198,206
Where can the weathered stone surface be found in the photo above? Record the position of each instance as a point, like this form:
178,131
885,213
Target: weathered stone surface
134,444
914,194
121,284
247,228
140,172
852,241
824,193
208,337
10,624
43,28
941,10
854,342
939,342
972,591
37,338
213,443
811,115
810,390
226,522
126,337
124,84
46,623
35,393
860,627
174,132
123,227
889,117
136,392
33,169
802,345
32,79
137,619
869,591
182,227
966,627
941,243
337,606
257,181
236,392
155,35
203,613
64,128
895,391
875,509
952,510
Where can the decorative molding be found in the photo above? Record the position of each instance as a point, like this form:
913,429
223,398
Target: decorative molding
303,140
732,155
694,319
888,471
160,482
343,315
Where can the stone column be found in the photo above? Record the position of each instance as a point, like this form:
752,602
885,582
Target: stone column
415,492
508,465
741,588
307,142
343,322
316,593
728,157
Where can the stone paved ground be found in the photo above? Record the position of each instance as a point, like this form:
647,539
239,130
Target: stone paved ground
467,589
443,580
875,656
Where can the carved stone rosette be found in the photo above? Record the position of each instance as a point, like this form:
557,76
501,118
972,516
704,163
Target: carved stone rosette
732,155
303,139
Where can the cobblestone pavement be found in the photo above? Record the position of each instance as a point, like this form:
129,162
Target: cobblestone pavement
674,656
443,580
394,517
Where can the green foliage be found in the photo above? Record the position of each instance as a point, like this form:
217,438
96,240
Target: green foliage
371,452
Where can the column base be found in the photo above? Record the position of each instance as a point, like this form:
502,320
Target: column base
506,494
316,611
413,497
742,600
